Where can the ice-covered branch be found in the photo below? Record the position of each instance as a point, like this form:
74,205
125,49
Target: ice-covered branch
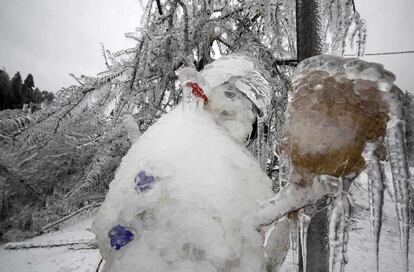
186,42
294,197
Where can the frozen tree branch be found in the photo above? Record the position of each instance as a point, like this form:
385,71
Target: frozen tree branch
186,42
77,79
104,55
159,7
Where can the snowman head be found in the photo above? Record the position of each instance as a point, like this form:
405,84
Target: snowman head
232,110
235,98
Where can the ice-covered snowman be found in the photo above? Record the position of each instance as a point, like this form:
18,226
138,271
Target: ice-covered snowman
182,196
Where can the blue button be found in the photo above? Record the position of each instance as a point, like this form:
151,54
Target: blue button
120,236
143,182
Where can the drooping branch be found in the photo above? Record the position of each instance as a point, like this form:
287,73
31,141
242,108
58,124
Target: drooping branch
159,7
288,62
104,55
186,42
136,65
77,79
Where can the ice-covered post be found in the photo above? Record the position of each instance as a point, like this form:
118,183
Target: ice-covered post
309,44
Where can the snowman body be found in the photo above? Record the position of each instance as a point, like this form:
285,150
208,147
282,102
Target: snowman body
184,194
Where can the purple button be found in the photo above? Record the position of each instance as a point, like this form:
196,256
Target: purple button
120,236
143,182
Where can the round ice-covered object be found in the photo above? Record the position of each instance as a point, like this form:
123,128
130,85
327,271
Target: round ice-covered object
351,68
337,106
143,182
120,236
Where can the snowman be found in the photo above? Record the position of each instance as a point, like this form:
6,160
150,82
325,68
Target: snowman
183,195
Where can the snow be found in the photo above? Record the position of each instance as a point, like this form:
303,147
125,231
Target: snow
187,193
294,197
199,171
131,127
222,69
232,111
56,258
361,248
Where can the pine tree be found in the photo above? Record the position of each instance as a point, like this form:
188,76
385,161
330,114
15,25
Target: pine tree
6,94
16,84
27,90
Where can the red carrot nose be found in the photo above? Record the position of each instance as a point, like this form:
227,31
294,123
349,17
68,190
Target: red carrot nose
197,91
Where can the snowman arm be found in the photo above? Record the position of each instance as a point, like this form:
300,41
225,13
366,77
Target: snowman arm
291,198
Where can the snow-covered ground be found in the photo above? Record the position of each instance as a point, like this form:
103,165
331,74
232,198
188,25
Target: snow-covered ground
361,251
64,259
53,259
69,259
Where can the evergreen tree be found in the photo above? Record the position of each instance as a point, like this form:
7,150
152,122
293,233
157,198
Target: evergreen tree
37,96
16,85
6,94
27,90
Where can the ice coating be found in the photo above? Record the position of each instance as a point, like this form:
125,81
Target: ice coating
191,219
352,68
339,232
294,240
131,127
332,113
294,197
232,111
305,216
242,73
376,183
397,154
338,108
120,236
222,69
277,244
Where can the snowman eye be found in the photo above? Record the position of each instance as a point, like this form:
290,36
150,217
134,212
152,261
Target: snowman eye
229,94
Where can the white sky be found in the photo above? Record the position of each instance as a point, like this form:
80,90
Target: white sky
51,38
391,28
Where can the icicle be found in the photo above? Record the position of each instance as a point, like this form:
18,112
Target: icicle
376,176
294,240
285,170
261,143
305,216
400,175
339,230
397,154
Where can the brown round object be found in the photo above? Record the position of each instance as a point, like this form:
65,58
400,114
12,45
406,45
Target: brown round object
329,121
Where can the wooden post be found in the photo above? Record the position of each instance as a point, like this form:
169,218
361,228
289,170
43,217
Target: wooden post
309,43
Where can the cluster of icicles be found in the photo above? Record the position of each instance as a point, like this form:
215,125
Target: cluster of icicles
314,76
